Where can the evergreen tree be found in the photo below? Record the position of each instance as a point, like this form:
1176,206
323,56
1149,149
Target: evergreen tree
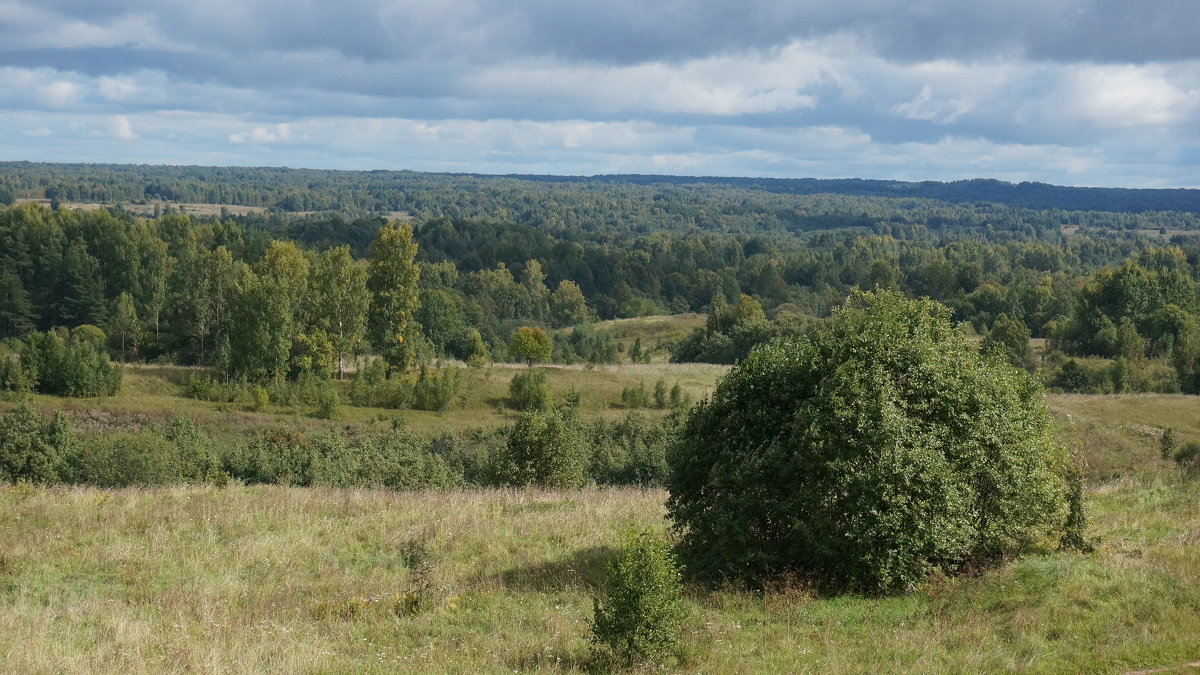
16,312
82,292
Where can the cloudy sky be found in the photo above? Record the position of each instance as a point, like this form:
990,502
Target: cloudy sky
1074,92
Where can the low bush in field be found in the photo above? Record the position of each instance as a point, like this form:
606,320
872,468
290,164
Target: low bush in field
33,448
393,460
554,449
640,614
528,390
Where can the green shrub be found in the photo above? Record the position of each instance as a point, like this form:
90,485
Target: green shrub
640,614
660,394
328,402
259,398
1188,458
635,397
77,366
875,451
679,399
277,456
33,448
199,456
366,386
436,390
544,450
528,391
395,460
121,460
1167,442
631,451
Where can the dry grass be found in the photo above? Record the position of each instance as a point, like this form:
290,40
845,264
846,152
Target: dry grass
321,580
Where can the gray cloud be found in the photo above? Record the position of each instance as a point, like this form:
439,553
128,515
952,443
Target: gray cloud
1088,91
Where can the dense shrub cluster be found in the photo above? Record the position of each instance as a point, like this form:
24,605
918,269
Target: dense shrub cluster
528,390
879,449
62,363
544,448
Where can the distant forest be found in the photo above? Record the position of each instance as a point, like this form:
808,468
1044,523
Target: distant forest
1100,272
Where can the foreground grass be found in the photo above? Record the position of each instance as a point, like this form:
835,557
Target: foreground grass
256,579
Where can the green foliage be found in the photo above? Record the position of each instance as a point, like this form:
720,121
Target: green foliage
567,305
339,300
530,344
368,383
471,348
542,450
877,451
78,366
124,327
394,460
32,448
124,459
1167,443
392,280
660,394
635,397
328,403
528,390
585,343
679,399
728,335
1010,338
640,614
1187,458
436,389
259,398
631,451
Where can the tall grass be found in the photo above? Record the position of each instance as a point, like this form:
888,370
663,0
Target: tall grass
323,580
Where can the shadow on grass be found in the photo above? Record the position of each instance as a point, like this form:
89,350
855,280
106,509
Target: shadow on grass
581,570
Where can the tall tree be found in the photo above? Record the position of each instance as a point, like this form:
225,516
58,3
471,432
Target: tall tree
338,289
16,312
124,327
533,280
82,289
392,280
567,306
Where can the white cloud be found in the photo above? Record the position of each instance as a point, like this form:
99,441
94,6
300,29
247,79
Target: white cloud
1128,95
121,128
278,133
59,94
936,110
117,88
752,82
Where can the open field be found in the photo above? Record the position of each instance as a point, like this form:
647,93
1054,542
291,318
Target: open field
157,392
277,579
257,579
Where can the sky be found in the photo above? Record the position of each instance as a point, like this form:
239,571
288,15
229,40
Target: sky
1071,92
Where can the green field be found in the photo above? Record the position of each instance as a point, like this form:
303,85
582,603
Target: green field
278,579
318,580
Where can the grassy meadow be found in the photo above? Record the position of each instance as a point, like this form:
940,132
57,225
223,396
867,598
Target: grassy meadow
271,579
283,579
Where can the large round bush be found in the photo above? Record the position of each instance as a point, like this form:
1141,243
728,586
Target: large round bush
877,449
